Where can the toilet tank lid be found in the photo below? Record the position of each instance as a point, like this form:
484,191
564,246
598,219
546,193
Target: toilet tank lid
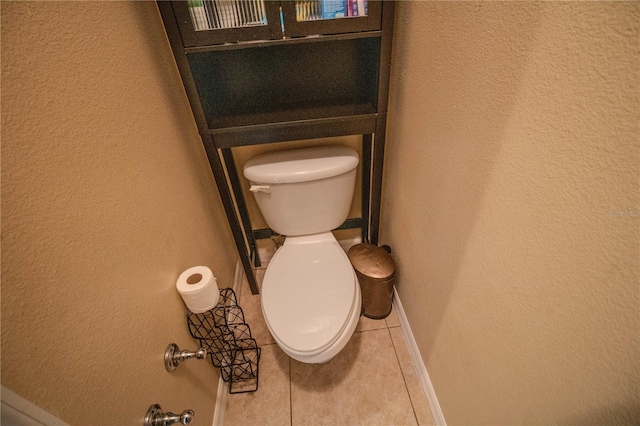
301,165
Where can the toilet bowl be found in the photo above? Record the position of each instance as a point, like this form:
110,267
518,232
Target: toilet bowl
311,298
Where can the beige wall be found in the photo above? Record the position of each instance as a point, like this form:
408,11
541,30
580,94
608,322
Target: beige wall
513,132
106,198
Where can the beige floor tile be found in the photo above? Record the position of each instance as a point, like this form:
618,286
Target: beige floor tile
252,309
362,385
270,404
392,320
418,400
365,324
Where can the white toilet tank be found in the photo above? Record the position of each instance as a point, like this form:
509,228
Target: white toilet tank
304,191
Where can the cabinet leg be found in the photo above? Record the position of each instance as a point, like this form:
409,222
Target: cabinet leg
230,164
366,185
376,181
227,202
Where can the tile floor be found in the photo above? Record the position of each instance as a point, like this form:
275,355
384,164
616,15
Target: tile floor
371,382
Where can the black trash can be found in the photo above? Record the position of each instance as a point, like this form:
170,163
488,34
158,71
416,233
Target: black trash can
376,272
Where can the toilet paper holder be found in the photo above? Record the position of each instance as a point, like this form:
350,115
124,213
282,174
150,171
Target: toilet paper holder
173,356
226,339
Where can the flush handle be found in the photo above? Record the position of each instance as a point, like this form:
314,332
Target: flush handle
260,188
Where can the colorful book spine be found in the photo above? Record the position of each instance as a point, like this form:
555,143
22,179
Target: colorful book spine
334,9
362,8
352,7
198,15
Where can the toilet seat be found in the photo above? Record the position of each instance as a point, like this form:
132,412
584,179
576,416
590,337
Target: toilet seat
309,294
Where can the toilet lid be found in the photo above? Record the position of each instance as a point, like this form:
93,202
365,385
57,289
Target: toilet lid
308,294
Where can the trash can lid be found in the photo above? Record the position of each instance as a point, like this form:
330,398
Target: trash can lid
371,261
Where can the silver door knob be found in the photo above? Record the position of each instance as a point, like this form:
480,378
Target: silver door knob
173,355
155,417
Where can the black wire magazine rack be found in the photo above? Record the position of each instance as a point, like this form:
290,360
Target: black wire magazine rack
225,335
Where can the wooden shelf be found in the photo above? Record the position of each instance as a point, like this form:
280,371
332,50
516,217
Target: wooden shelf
298,128
292,113
252,44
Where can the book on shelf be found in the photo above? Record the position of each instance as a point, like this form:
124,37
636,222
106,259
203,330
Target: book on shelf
218,14
198,15
352,7
332,9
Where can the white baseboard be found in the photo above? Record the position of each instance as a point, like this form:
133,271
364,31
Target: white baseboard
221,403
18,411
418,364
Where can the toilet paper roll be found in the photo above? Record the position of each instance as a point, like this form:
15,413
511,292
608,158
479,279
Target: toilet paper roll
198,288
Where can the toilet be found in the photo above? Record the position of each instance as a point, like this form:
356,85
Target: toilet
311,298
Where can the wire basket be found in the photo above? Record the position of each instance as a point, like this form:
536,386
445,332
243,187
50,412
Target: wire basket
225,335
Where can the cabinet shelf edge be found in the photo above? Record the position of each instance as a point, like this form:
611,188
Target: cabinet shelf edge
293,130
294,40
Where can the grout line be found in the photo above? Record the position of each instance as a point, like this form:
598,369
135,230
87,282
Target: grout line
368,331
404,379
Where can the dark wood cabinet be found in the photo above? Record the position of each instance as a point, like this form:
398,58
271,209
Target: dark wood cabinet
208,22
259,72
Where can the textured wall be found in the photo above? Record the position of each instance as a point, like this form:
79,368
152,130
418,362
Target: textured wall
514,134
106,198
